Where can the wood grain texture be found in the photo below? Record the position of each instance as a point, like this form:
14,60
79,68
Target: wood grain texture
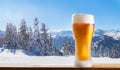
106,66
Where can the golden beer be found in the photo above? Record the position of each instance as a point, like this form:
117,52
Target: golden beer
83,28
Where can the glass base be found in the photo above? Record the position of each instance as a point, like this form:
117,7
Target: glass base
87,63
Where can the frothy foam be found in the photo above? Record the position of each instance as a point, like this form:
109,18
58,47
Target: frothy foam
83,18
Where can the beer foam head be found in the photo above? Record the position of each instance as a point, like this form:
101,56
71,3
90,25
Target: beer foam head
83,18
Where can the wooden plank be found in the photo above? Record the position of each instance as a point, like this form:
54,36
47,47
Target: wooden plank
106,65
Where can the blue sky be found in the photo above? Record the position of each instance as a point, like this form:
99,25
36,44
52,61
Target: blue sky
56,14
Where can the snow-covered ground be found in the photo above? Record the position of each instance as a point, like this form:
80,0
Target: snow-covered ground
19,59
7,53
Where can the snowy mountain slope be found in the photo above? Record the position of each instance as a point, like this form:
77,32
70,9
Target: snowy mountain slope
115,35
112,33
105,46
99,32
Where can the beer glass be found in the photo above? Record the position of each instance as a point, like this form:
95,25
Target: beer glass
83,28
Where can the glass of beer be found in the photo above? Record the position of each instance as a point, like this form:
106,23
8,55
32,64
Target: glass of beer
83,29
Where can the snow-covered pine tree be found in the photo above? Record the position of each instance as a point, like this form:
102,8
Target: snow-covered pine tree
106,52
64,49
11,42
30,34
15,39
115,51
67,48
36,46
23,35
51,48
45,40
1,42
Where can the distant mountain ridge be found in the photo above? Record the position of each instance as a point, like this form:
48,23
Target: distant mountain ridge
97,32
106,43
61,33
